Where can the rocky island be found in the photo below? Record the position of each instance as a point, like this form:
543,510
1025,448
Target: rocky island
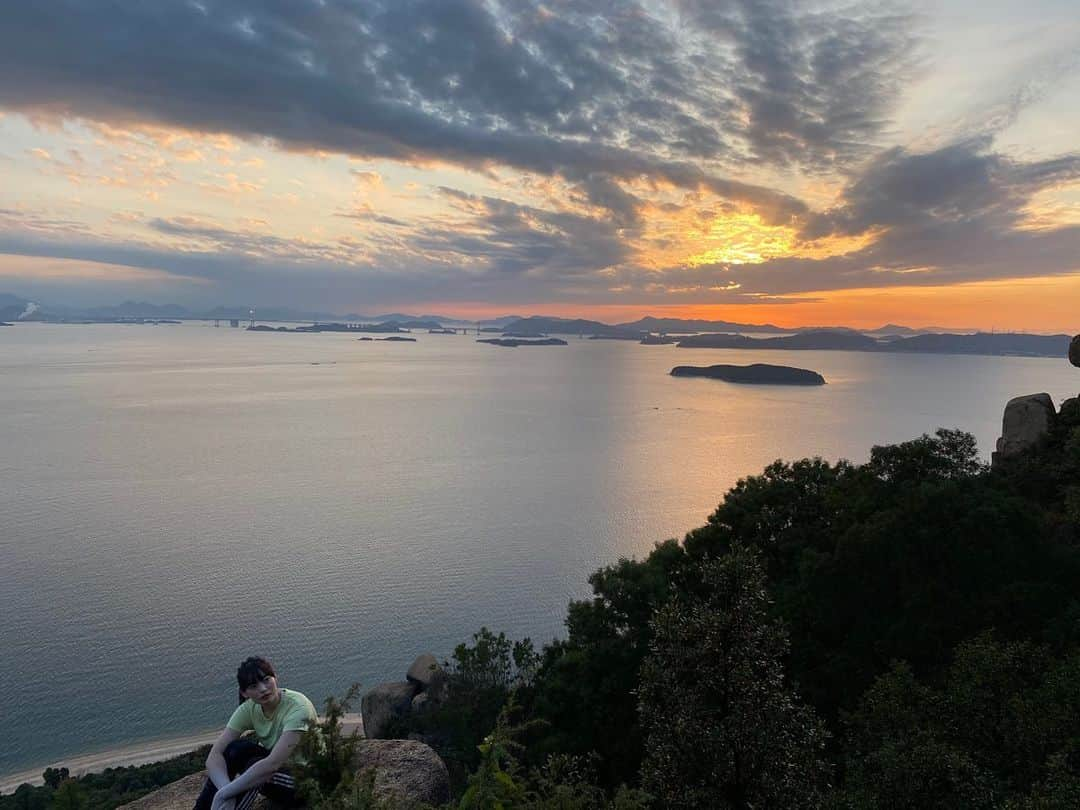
755,374
512,342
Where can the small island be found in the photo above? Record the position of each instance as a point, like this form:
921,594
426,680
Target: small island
755,374
392,338
513,342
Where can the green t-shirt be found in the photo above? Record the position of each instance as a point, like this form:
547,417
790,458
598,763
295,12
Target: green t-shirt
294,713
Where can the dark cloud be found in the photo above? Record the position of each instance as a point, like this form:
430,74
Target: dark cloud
962,183
815,86
575,88
510,239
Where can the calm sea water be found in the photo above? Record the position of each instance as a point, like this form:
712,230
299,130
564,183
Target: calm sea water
175,498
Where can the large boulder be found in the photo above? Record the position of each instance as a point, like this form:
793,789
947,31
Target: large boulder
385,703
406,772
1074,351
1027,419
180,795
425,671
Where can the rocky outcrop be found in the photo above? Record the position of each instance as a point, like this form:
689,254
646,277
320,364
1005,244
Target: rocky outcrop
1027,420
384,704
406,771
1074,351
181,795
424,671
426,686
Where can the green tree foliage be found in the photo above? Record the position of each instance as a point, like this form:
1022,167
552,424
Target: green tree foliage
900,558
481,677
70,795
1003,728
585,685
54,776
565,782
105,790
723,730
328,779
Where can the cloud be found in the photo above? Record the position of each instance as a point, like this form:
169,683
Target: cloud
582,88
964,182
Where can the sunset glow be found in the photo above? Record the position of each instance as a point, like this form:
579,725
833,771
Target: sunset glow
760,186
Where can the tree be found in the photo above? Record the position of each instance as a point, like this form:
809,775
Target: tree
54,776
722,727
70,795
1000,729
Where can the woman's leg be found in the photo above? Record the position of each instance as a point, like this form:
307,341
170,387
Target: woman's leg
239,754
280,789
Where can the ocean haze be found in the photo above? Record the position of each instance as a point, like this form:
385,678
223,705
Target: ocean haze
178,497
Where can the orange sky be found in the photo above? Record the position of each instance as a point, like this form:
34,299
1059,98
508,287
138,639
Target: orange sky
1046,305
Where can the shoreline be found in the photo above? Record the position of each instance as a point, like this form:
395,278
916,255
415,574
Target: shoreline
141,754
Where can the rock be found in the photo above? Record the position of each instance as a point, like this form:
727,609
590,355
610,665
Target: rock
422,703
425,671
385,703
1027,419
406,771
181,795
1074,351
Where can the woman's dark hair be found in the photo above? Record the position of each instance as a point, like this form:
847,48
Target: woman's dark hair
252,671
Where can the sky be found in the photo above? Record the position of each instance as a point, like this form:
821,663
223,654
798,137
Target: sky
800,163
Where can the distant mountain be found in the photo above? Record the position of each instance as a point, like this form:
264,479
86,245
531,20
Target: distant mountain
11,306
412,323
499,322
14,308
138,309
401,318
894,329
651,324
830,339
999,343
540,325
979,343
9,300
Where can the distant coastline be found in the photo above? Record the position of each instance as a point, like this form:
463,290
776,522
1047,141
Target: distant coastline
981,343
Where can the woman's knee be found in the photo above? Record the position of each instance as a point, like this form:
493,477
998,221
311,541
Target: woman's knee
239,754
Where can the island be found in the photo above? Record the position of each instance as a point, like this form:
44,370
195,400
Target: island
822,339
514,342
994,343
393,338
755,374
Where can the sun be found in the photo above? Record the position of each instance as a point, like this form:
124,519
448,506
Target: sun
743,238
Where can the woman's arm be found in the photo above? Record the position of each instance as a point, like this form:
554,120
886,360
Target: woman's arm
261,770
215,760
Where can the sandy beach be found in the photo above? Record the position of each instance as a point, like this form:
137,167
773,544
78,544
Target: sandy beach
133,755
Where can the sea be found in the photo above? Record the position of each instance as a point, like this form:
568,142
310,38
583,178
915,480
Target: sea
177,497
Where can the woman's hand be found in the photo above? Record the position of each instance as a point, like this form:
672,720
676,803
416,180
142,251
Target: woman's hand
223,803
